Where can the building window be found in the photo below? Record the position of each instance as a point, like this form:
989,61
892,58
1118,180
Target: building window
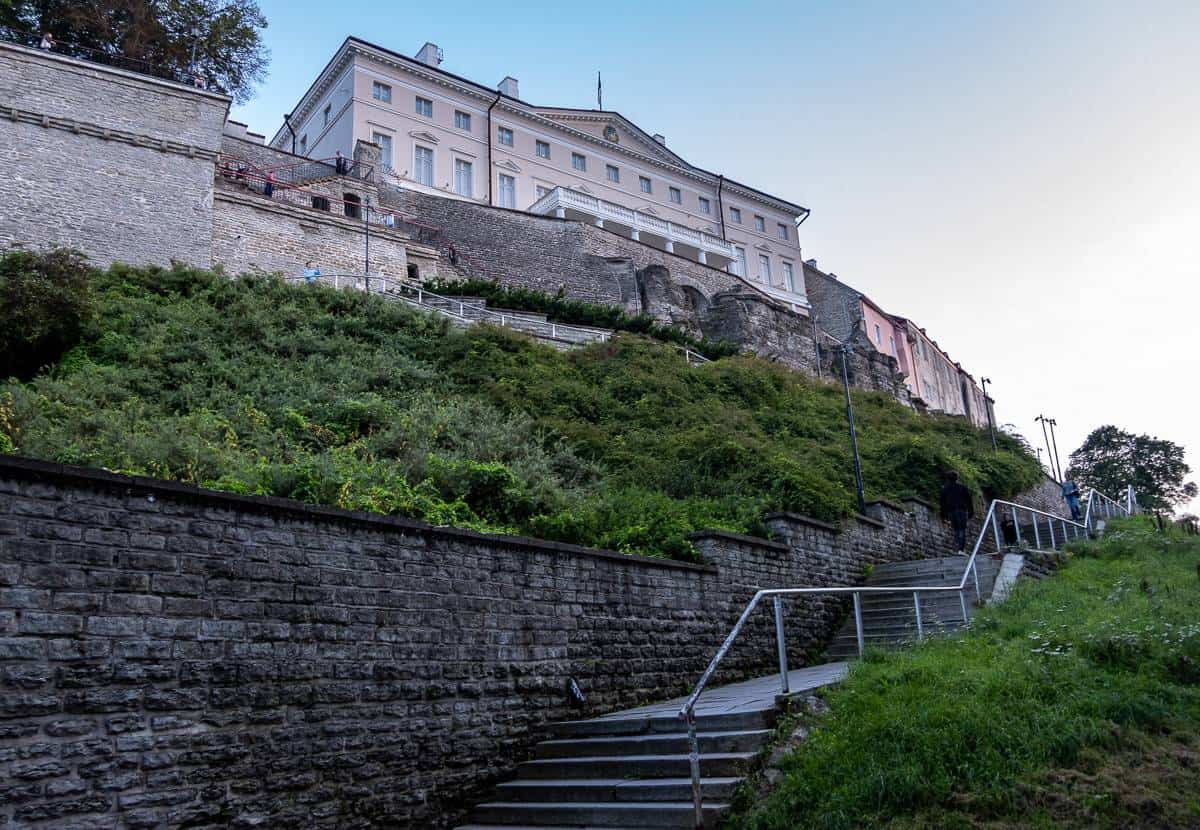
738,266
789,277
462,178
542,191
764,268
424,107
508,191
543,149
381,92
303,144
423,165
674,195
320,203
504,136
892,344
760,224
613,173
351,206
735,215
705,205
644,184
385,149
579,161
325,115
783,231
878,336
462,120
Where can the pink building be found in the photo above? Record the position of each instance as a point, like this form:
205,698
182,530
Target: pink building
442,134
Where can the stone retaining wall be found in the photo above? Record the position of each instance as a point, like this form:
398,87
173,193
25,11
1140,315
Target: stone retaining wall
171,656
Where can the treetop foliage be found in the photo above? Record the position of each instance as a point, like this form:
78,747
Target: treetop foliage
1111,458
218,39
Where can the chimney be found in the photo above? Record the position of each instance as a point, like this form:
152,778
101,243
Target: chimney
509,87
661,139
430,55
811,262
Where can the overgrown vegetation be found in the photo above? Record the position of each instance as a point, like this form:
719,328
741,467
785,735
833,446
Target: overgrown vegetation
1074,704
558,308
254,386
45,302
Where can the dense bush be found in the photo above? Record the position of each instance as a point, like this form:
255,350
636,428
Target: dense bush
558,308
45,302
254,386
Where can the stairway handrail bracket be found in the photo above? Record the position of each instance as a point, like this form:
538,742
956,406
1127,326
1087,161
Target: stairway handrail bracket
1068,529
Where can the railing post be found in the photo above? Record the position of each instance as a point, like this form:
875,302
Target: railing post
694,763
1050,524
461,308
1017,525
975,574
1064,530
781,644
917,608
996,530
1037,536
858,629
962,601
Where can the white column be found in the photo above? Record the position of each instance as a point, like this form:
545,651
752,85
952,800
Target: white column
561,213
703,257
670,247
635,235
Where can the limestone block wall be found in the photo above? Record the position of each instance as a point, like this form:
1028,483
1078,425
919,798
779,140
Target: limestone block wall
174,656
116,164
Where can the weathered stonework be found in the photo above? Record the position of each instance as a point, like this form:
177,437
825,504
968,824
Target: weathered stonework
173,656
116,164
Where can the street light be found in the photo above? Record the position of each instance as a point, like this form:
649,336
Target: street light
1046,437
1057,460
844,351
987,408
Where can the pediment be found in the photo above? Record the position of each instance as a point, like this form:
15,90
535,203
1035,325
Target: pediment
509,165
422,135
610,126
648,209
580,186
762,247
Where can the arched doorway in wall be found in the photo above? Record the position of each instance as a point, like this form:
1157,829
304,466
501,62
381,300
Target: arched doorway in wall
697,302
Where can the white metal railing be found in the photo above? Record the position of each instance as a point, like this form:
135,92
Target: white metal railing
1102,506
561,197
997,513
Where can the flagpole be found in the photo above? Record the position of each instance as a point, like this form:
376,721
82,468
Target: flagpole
599,92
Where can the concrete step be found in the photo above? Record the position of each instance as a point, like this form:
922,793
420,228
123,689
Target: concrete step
616,789
656,744
636,725
598,814
718,764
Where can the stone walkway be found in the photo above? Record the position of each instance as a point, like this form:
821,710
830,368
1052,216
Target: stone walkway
747,696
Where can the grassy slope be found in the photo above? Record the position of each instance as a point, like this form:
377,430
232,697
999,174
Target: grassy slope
1075,704
253,386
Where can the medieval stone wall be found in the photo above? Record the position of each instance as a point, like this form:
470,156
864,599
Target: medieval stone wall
115,164
174,656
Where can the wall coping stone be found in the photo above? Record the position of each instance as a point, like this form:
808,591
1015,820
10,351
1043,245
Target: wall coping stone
867,520
740,538
889,504
34,469
305,214
801,519
917,500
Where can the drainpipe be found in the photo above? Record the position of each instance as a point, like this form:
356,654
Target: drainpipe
287,122
721,205
491,199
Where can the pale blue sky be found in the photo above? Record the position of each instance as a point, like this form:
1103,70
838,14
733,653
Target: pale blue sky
1023,179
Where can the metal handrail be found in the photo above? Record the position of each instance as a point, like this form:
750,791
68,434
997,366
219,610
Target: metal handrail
1099,503
687,712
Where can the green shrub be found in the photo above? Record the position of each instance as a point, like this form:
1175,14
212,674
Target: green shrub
335,397
45,303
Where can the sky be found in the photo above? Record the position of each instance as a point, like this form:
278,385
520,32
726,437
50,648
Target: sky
1021,179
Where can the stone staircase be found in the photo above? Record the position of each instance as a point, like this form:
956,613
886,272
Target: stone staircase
631,769
889,620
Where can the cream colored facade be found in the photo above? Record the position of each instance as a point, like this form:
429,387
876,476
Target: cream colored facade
590,165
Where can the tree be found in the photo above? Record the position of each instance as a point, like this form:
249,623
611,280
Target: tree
46,302
218,40
1110,459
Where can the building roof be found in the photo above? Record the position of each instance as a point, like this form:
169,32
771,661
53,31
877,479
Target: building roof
659,154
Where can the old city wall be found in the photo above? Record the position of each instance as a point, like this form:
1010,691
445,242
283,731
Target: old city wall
116,164
171,655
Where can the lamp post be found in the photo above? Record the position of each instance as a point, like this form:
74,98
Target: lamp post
1046,437
1053,440
367,242
987,408
844,351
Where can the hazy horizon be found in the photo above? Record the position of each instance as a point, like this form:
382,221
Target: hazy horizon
1020,179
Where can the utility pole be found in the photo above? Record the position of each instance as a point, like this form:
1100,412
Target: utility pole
1054,441
988,408
844,350
1046,437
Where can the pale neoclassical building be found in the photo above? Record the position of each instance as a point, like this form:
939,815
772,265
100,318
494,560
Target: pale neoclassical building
452,137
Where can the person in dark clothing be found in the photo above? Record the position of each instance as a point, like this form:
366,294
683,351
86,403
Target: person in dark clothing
957,508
